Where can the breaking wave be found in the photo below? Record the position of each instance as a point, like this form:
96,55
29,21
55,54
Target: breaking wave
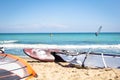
8,41
18,48
56,46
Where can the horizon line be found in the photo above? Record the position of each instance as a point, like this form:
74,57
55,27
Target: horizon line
52,32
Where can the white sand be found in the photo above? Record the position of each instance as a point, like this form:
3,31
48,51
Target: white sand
54,71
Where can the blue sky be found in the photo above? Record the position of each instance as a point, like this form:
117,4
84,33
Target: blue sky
24,16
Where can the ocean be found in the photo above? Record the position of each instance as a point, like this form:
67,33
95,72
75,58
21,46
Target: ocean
14,43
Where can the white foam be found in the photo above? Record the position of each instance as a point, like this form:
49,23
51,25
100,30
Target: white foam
58,46
8,41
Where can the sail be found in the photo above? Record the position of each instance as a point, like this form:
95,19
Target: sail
93,60
98,31
15,68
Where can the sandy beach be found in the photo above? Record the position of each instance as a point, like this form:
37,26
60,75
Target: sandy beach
61,71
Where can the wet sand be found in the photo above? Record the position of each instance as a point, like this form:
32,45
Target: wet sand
61,71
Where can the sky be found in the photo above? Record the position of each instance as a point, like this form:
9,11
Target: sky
41,16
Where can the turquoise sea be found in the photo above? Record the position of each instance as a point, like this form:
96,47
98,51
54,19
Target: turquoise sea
104,42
